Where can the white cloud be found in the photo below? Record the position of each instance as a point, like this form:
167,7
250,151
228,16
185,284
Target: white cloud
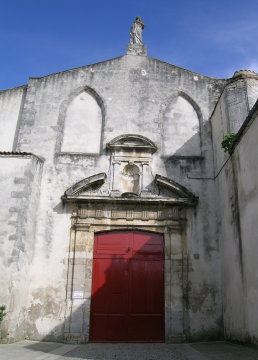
251,65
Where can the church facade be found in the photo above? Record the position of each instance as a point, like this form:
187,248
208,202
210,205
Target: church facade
122,218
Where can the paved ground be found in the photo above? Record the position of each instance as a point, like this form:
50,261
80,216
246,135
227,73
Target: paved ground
32,350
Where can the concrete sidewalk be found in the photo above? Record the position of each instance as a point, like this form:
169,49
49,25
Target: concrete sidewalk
32,350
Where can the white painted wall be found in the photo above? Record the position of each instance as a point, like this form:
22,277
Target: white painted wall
237,209
246,169
20,185
181,129
82,128
10,107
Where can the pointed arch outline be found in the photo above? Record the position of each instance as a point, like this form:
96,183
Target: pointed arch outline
192,102
63,110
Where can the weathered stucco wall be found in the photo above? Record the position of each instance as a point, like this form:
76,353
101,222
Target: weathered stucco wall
20,184
136,95
246,176
236,182
11,103
135,91
237,99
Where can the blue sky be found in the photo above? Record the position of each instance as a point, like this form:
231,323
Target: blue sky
211,37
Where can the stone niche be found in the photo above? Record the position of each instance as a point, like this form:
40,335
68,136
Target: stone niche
127,206
131,157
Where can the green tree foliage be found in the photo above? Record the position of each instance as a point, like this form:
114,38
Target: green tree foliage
228,142
2,312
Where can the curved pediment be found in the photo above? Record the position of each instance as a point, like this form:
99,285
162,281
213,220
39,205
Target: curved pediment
174,188
132,142
86,184
161,190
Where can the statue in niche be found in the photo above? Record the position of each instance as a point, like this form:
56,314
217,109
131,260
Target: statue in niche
130,179
136,31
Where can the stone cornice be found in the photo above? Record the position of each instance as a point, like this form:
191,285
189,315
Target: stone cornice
121,200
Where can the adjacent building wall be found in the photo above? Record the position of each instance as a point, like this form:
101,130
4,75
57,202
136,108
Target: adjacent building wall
236,179
20,177
246,176
239,97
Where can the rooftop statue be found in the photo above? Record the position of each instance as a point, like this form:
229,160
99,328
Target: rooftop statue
136,31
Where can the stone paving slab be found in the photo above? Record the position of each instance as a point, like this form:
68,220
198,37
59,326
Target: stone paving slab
33,350
125,352
226,351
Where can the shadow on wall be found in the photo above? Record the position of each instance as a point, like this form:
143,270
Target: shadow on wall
182,120
183,161
127,302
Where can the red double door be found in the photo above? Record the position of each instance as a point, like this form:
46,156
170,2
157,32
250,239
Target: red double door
128,287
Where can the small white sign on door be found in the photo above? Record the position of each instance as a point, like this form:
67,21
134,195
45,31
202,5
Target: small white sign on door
77,294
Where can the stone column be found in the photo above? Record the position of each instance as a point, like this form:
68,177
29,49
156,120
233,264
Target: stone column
146,178
79,285
115,178
174,297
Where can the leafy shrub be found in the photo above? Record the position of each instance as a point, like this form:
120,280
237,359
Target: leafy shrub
2,312
228,142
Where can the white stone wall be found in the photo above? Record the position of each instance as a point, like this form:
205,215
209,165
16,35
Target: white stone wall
11,103
239,96
83,125
181,129
20,184
236,186
246,173
134,93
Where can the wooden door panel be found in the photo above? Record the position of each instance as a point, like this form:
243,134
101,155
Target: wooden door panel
111,286
147,246
146,277
146,329
106,328
127,287
110,246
